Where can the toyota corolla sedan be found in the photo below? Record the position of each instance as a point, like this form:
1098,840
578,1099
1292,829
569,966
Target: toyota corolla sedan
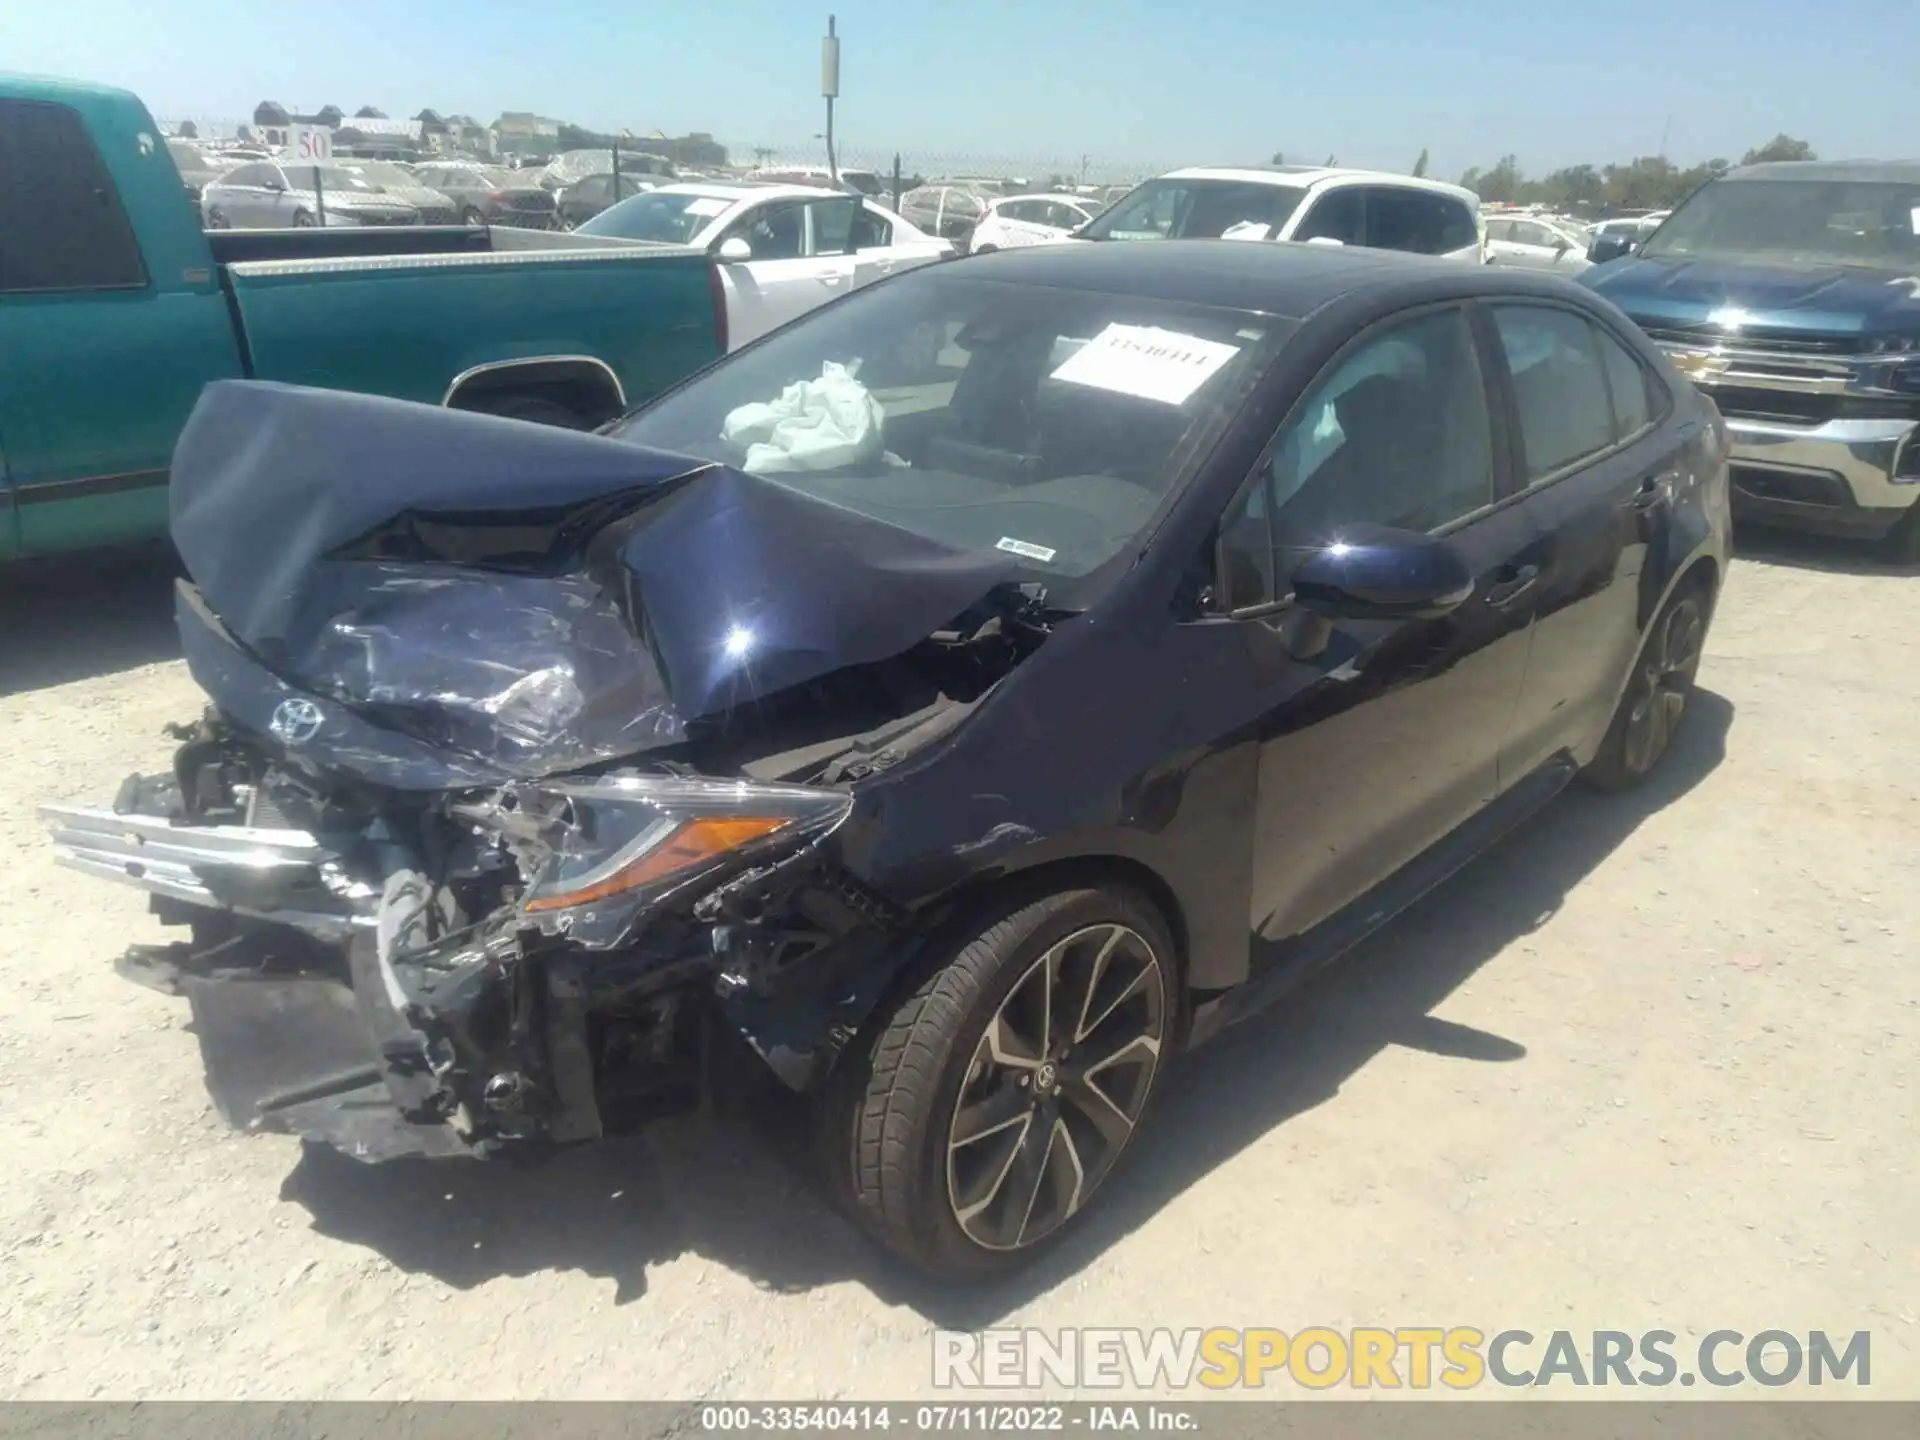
951,707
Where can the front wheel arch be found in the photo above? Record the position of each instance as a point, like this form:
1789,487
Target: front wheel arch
948,917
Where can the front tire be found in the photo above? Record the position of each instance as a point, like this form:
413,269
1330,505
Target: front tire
302,220
1655,702
992,1102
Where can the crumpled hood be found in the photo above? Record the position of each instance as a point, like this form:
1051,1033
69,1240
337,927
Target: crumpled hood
1831,300
520,600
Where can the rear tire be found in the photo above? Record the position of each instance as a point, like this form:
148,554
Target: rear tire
535,410
1044,1032
1655,703
472,216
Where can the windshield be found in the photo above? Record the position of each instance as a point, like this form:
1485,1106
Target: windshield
1056,425
668,219
1832,222
1199,210
333,177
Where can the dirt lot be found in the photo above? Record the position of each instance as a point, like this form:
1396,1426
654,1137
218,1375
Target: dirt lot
1651,1064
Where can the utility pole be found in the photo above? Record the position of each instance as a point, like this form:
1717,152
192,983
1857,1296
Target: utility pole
1664,131
830,89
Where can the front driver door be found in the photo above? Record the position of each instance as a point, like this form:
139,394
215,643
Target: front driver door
782,280
1379,744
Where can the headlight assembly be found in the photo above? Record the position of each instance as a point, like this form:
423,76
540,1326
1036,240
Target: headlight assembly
616,842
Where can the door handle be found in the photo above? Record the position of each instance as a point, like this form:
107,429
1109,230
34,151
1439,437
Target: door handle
1510,582
1654,491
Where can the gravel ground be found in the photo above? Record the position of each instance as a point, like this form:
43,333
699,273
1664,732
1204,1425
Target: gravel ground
1651,1064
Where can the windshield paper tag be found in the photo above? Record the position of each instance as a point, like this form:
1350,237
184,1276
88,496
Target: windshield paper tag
1023,547
706,207
1146,361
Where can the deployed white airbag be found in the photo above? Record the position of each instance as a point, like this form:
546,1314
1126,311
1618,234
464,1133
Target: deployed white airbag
815,425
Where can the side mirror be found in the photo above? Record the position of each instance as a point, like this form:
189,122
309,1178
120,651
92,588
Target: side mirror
1374,572
733,250
1611,247
273,182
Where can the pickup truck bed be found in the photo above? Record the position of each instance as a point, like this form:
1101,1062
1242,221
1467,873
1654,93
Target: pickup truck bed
116,308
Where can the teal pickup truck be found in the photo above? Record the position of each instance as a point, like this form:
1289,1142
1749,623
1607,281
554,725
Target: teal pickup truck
116,308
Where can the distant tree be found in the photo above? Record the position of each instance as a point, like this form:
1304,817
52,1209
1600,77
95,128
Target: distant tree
1781,147
1470,177
1502,184
1331,162
1278,159
369,112
1420,165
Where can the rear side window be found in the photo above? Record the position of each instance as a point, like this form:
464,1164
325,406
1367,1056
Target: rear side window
1559,385
1419,221
61,225
1631,387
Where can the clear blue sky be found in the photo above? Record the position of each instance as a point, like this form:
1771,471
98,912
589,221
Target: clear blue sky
1554,81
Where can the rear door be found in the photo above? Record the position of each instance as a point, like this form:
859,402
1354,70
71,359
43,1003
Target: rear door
1382,742
1598,466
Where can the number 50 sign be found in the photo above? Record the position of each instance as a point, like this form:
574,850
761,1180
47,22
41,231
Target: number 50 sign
309,144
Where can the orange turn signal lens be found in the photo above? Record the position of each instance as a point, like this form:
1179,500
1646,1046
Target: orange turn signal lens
694,842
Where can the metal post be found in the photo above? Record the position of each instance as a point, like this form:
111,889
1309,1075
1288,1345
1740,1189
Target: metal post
320,196
616,169
830,88
896,181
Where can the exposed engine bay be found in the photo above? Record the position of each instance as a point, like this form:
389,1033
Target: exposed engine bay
500,807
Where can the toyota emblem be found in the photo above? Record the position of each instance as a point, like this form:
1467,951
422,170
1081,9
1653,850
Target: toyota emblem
295,722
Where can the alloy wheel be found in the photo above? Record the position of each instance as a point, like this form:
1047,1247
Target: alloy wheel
1666,675
1056,1086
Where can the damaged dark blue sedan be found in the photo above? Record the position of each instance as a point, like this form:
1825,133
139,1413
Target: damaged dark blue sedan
967,697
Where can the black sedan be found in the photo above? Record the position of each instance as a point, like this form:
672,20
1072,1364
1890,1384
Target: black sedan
962,700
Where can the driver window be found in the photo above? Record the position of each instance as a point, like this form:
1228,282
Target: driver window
1335,216
775,232
1396,434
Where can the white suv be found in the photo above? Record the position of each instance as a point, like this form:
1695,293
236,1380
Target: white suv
1301,202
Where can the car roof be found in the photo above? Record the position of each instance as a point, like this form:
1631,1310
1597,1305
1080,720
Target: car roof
735,190
1275,277
1898,172
1300,176
1062,196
